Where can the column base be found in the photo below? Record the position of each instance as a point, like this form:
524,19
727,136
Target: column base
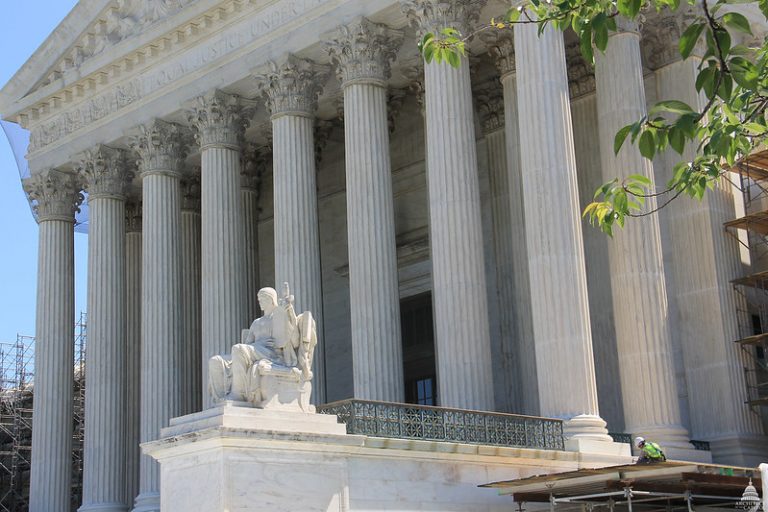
104,507
586,427
147,502
744,450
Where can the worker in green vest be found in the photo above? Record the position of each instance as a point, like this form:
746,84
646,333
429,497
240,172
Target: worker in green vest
649,451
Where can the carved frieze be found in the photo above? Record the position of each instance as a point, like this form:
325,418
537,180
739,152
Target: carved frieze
54,195
363,50
105,172
291,86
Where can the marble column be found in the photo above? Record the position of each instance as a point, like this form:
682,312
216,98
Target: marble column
55,197
220,121
714,365
133,347
646,366
559,305
501,47
106,174
291,88
254,162
161,149
190,358
361,52
460,300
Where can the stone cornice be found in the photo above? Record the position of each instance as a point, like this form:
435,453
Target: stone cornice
190,190
133,215
363,50
54,195
490,103
292,86
161,147
220,119
501,46
434,15
105,172
78,104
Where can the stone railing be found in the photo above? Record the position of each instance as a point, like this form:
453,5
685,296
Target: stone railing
409,421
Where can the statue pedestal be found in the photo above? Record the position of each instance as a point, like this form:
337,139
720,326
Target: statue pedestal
233,458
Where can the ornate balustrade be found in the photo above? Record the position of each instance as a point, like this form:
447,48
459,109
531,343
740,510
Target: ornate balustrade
409,421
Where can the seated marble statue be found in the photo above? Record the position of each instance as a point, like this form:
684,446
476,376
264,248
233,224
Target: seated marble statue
271,367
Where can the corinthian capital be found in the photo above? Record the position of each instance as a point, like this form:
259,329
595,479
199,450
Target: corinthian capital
291,86
220,119
54,195
490,102
363,50
661,35
501,46
106,172
435,15
161,147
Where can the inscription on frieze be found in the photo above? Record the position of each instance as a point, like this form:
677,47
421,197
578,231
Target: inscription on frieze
165,73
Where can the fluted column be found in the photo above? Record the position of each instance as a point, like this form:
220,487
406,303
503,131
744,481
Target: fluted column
220,122
254,162
55,197
361,52
133,347
714,365
503,49
291,89
637,269
106,175
161,148
559,305
191,365
460,301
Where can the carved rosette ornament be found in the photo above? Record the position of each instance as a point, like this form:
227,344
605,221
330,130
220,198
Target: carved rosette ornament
292,87
581,75
105,172
220,119
501,46
133,215
661,36
161,147
190,190
435,15
490,103
362,51
415,77
54,195
254,162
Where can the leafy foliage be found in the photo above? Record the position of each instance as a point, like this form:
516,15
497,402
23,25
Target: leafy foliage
732,77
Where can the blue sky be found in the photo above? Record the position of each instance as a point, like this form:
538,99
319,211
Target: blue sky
26,24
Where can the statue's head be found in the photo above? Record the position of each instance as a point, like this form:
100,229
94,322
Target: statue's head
267,299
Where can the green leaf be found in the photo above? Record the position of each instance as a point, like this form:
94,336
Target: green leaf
677,139
672,106
689,38
647,145
737,21
620,137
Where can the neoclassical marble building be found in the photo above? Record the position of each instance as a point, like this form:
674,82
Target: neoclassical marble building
430,218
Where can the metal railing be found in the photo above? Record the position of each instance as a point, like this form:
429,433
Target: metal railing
409,421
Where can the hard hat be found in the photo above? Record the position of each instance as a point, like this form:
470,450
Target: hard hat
639,440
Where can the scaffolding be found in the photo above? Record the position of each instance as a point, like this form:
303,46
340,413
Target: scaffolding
751,230
16,401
